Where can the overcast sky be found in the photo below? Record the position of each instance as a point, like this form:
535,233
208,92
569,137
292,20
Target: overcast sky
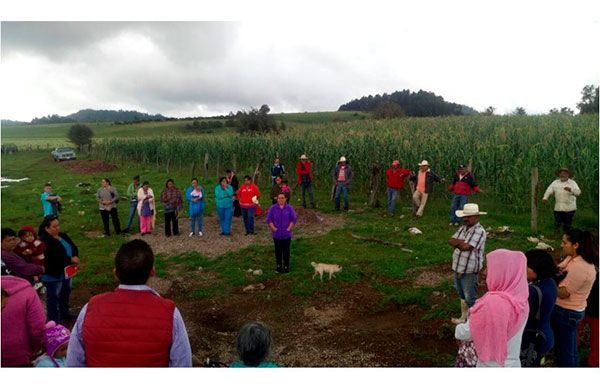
505,54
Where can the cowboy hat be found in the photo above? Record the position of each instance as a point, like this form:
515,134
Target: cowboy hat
423,163
470,209
342,159
303,157
564,169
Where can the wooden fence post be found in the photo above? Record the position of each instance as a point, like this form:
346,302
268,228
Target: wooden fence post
193,169
534,199
234,163
205,166
373,201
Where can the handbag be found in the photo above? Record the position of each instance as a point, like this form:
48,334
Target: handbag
467,355
533,339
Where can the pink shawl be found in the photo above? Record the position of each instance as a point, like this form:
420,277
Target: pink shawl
499,314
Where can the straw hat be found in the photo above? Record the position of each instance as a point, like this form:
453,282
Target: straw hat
303,157
424,163
564,169
342,159
470,209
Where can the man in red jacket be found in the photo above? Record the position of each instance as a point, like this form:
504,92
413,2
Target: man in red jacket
395,182
304,171
463,185
248,195
132,326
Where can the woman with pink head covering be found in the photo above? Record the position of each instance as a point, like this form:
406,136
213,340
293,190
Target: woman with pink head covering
497,319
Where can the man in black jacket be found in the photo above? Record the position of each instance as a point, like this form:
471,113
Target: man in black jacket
424,180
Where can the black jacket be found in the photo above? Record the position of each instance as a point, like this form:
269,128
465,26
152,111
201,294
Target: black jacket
56,258
429,179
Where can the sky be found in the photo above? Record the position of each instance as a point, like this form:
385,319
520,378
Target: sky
301,57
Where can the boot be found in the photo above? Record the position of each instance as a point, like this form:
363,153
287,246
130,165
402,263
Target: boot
464,311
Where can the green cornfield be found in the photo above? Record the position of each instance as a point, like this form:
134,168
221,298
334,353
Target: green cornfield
503,150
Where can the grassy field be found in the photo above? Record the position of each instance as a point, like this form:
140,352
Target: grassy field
388,307
53,135
385,273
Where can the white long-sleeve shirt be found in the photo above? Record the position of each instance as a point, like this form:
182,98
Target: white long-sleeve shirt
566,201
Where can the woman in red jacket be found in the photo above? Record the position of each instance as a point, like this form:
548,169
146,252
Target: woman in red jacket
248,196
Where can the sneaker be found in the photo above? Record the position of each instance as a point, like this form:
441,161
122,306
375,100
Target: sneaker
451,224
199,234
191,234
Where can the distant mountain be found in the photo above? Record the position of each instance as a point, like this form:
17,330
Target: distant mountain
419,104
13,122
93,116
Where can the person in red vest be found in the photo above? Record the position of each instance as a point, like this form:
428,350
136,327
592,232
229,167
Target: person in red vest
248,194
132,326
395,182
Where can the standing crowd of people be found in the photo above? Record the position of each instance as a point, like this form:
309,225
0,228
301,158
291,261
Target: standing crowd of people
532,305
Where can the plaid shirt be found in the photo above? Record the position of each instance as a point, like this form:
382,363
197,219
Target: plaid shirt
469,261
171,199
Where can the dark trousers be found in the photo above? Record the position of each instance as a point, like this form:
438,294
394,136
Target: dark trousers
57,299
564,219
282,254
307,187
115,220
171,218
248,216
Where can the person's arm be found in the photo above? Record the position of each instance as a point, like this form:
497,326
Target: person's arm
98,197
349,176
460,244
463,332
575,189
436,177
180,355
549,191
292,221
115,198
563,293
19,267
76,350
73,246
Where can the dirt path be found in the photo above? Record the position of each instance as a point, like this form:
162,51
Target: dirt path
211,244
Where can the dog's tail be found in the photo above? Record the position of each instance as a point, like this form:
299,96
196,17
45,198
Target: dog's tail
313,264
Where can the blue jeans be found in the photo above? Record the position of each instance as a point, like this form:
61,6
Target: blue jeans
225,216
564,325
196,219
248,216
132,212
458,203
392,196
340,189
58,293
466,285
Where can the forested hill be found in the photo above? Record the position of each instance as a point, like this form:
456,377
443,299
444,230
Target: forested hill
91,115
419,104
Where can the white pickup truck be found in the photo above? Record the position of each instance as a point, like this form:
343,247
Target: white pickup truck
63,153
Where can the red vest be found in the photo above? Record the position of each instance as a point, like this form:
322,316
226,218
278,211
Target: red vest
128,328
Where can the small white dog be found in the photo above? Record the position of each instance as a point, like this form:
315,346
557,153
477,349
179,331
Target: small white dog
331,269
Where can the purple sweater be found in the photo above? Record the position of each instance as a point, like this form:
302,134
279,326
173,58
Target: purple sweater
23,322
281,218
19,267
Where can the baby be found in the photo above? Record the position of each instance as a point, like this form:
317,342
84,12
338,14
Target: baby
56,339
31,249
285,190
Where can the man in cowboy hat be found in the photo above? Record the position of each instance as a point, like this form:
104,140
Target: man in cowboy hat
304,172
395,182
565,192
342,179
423,180
467,258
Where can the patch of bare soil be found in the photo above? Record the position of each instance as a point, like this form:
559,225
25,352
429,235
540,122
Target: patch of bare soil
431,276
88,166
212,244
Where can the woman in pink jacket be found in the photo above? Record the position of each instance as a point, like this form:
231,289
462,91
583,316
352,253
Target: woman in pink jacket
23,322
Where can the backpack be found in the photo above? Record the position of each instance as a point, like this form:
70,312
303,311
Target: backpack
533,339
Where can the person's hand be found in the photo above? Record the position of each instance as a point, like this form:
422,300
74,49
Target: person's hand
273,228
289,229
59,199
567,188
27,252
544,201
75,260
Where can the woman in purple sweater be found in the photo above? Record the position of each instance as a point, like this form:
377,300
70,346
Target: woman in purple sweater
281,220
